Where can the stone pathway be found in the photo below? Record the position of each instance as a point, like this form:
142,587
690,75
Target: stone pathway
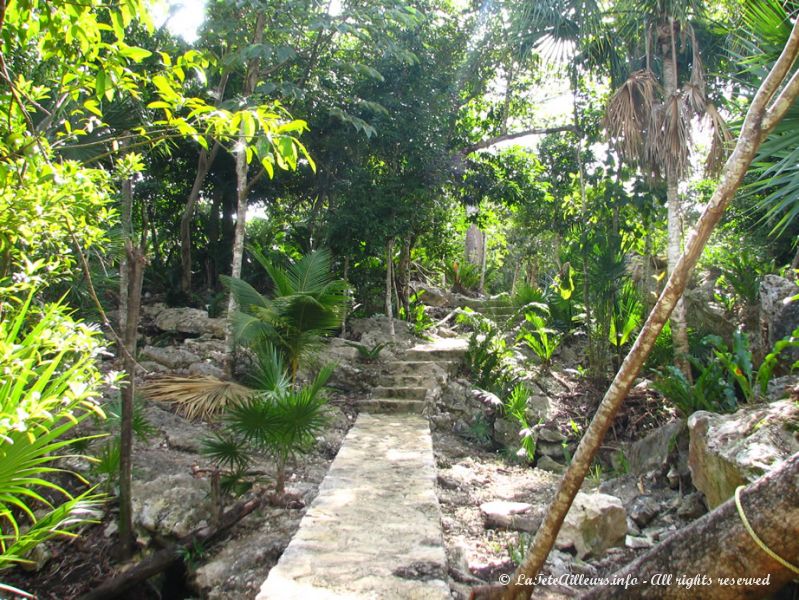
374,530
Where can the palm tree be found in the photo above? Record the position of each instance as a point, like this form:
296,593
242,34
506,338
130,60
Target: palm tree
275,418
649,117
307,302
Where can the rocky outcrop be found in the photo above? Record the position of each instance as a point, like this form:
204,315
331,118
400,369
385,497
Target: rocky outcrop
778,315
662,451
519,516
192,321
594,523
731,450
171,357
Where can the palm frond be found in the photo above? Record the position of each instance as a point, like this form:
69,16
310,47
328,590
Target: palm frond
667,143
630,114
197,397
721,140
246,296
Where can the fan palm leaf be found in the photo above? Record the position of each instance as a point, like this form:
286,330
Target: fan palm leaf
197,397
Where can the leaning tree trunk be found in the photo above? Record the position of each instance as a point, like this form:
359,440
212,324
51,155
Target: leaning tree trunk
719,549
203,165
204,162
768,107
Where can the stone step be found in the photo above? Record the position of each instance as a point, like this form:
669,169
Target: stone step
391,406
412,393
374,530
422,367
435,355
410,380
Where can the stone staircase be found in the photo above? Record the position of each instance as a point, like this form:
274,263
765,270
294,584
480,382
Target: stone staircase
374,530
411,385
497,309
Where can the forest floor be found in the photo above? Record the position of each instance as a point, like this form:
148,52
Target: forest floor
468,474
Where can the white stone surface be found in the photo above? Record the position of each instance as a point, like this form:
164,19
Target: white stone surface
374,530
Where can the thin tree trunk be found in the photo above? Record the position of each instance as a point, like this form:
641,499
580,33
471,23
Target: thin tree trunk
135,266
767,109
126,223
483,255
389,278
242,191
404,276
345,309
718,547
204,162
679,325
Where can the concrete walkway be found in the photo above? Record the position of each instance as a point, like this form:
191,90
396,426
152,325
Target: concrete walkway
374,530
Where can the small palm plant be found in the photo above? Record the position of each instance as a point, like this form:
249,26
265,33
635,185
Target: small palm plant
307,302
276,419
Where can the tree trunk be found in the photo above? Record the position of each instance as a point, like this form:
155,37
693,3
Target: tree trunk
238,250
204,162
404,276
135,276
126,223
767,109
242,191
483,256
346,306
389,278
679,325
717,547
212,261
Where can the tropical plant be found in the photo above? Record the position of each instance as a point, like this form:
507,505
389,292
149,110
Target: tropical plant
462,276
365,352
752,383
196,398
709,391
487,354
540,338
307,302
276,419
515,406
49,385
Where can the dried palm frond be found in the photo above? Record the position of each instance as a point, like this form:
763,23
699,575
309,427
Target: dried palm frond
695,96
629,115
197,397
668,143
721,141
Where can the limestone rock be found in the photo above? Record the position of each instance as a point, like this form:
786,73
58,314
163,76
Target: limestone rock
643,509
504,514
206,369
433,296
189,320
506,432
594,523
375,330
692,506
652,452
777,318
547,463
169,356
207,348
172,504
731,450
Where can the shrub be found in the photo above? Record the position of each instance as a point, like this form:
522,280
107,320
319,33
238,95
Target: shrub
49,385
